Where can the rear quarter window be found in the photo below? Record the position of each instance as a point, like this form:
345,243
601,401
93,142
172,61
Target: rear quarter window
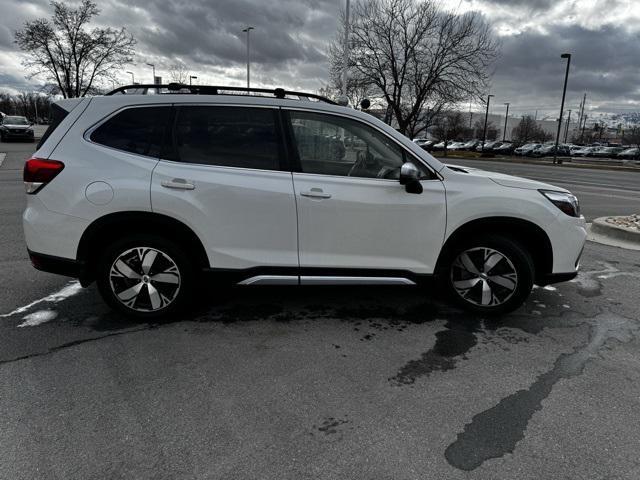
58,114
137,130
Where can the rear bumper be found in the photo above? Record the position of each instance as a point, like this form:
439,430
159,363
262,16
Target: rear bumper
58,265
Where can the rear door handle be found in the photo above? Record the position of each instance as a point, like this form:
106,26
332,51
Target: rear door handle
315,193
178,184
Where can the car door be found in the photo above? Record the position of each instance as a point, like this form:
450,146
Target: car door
354,217
223,176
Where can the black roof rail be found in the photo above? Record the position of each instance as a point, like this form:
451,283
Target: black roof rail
218,90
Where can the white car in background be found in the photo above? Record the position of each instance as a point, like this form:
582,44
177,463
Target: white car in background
149,194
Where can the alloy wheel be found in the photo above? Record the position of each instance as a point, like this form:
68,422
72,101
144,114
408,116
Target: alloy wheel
484,276
145,279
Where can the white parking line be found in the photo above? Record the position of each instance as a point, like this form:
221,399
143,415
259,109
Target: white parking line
2,157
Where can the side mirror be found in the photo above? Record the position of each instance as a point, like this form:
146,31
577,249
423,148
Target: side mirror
410,178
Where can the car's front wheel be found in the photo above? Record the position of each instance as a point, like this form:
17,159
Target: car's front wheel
489,275
145,277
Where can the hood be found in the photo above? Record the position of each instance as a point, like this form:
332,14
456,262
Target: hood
508,180
10,125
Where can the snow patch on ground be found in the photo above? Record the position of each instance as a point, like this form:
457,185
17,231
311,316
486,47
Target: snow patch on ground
70,289
38,318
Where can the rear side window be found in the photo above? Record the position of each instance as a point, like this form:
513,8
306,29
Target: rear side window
57,115
227,136
136,130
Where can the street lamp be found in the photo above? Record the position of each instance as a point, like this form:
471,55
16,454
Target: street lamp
154,72
506,117
133,79
345,65
486,117
566,127
564,92
247,31
192,77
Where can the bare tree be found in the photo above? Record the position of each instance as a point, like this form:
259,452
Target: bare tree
478,129
179,73
68,54
450,126
416,56
528,130
358,87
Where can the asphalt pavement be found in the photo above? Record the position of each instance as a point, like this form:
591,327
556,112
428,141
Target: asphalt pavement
324,383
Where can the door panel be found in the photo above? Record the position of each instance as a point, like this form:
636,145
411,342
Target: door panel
245,218
223,176
352,210
369,223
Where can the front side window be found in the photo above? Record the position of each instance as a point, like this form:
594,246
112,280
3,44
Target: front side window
227,136
333,145
136,130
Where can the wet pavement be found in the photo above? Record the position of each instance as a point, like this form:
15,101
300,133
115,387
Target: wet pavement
350,382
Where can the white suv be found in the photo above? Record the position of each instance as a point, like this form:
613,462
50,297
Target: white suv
146,193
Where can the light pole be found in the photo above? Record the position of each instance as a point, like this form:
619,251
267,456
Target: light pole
564,92
133,79
35,105
345,66
247,31
506,118
486,117
566,127
154,72
192,77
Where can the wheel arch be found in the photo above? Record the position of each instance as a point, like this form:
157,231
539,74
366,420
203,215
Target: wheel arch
106,229
531,236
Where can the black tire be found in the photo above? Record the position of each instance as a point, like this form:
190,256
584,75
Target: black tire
502,297
155,299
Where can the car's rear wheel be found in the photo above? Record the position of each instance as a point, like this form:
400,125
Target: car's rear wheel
145,277
489,275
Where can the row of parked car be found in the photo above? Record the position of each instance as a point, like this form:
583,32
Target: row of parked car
534,149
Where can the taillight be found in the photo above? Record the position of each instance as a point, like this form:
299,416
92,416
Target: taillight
38,172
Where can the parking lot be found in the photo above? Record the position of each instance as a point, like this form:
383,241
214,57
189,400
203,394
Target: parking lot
350,382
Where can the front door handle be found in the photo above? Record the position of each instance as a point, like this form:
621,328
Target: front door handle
178,184
315,193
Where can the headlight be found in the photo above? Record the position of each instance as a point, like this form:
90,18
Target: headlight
566,202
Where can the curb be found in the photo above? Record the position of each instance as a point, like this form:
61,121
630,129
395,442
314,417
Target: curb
614,232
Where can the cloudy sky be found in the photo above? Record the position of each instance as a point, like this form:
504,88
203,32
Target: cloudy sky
290,38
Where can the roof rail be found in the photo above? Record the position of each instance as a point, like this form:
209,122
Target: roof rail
177,88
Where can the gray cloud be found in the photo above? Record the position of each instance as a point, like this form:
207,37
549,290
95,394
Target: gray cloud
290,39
604,63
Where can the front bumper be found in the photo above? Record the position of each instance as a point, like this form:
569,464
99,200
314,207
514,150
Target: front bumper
24,134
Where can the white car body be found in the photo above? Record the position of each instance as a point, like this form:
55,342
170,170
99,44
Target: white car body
254,222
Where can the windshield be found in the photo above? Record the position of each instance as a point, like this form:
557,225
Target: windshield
15,121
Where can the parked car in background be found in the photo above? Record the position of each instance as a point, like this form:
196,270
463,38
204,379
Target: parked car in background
488,145
471,145
506,148
526,148
630,154
427,145
606,152
542,151
14,127
582,151
456,146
